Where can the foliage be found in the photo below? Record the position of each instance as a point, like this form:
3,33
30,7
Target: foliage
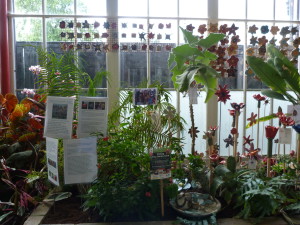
123,189
191,62
60,75
151,126
278,73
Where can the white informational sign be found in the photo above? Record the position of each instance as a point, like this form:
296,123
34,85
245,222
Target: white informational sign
193,95
52,162
160,166
285,136
252,163
294,111
59,117
80,160
92,116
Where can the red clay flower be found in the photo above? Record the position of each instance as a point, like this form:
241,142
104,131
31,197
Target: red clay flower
148,194
202,28
233,131
292,153
286,121
233,61
259,97
105,138
223,94
271,132
231,112
247,140
252,119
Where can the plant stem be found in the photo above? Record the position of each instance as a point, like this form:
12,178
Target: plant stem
236,135
270,143
257,131
192,129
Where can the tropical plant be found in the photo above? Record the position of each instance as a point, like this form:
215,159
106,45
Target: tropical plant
152,125
278,73
123,189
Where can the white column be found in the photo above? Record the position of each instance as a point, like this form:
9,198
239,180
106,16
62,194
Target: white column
112,61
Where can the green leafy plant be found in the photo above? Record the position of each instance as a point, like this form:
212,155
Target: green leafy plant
191,62
278,73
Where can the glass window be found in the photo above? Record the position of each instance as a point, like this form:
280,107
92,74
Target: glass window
193,8
60,7
132,8
91,7
28,7
260,10
165,8
232,9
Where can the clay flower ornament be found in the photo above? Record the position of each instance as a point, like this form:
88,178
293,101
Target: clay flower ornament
252,119
274,30
193,132
233,61
232,49
252,152
232,29
237,107
213,130
235,39
259,98
228,141
253,41
247,140
223,29
252,29
271,132
284,31
190,27
202,29
286,121
223,94
264,29
213,28
250,51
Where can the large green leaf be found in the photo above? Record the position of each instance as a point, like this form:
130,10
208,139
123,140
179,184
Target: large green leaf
211,40
267,74
207,77
273,94
189,37
171,60
262,119
185,79
187,51
217,182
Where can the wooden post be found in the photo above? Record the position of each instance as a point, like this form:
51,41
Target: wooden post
162,198
236,135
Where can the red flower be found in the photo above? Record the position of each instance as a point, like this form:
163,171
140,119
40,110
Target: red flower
202,28
271,131
214,157
259,97
252,119
292,153
247,140
233,131
151,35
231,112
236,106
148,194
223,94
286,121
233,61
105,138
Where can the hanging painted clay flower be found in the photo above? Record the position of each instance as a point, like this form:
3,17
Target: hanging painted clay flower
294,30
104,35
168,25
190,27
262,50
97,47
212,48
168,47
70,24
78,25
141,26
85,24
151,35
213,27
237,107
232,29
263,40
223,29
252,119
232,72
144,47
252,29
221,51
284,42
264,29
233,61
221,60
284,31
115,46
253,41
273,41
235,39
63,34
151,47
233,131
133,47
62,24
161,26
250,52
232,49
223,94
142,36
224,41
296,42
247,140
113,25
96,35
202,28
193,132
295,53
168,37
106,25
150,25
222,71
96,24
124,25
274,30
124,47
259,98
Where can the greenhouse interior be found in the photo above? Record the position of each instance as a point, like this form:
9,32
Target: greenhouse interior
149,112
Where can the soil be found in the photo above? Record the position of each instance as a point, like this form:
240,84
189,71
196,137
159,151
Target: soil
68,211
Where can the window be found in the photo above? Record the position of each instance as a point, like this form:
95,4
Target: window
141,33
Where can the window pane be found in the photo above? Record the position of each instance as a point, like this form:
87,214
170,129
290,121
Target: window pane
91,7
28,7
28,29
133,68
286,10
58,7
258,9
25,57
193,8
232,9
165,8
164,30
132,7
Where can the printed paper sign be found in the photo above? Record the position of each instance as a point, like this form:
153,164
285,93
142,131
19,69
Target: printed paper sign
285,136
52,162
193,95
294,111
160,165
92,116
145,96
59,117
80,160
252,163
